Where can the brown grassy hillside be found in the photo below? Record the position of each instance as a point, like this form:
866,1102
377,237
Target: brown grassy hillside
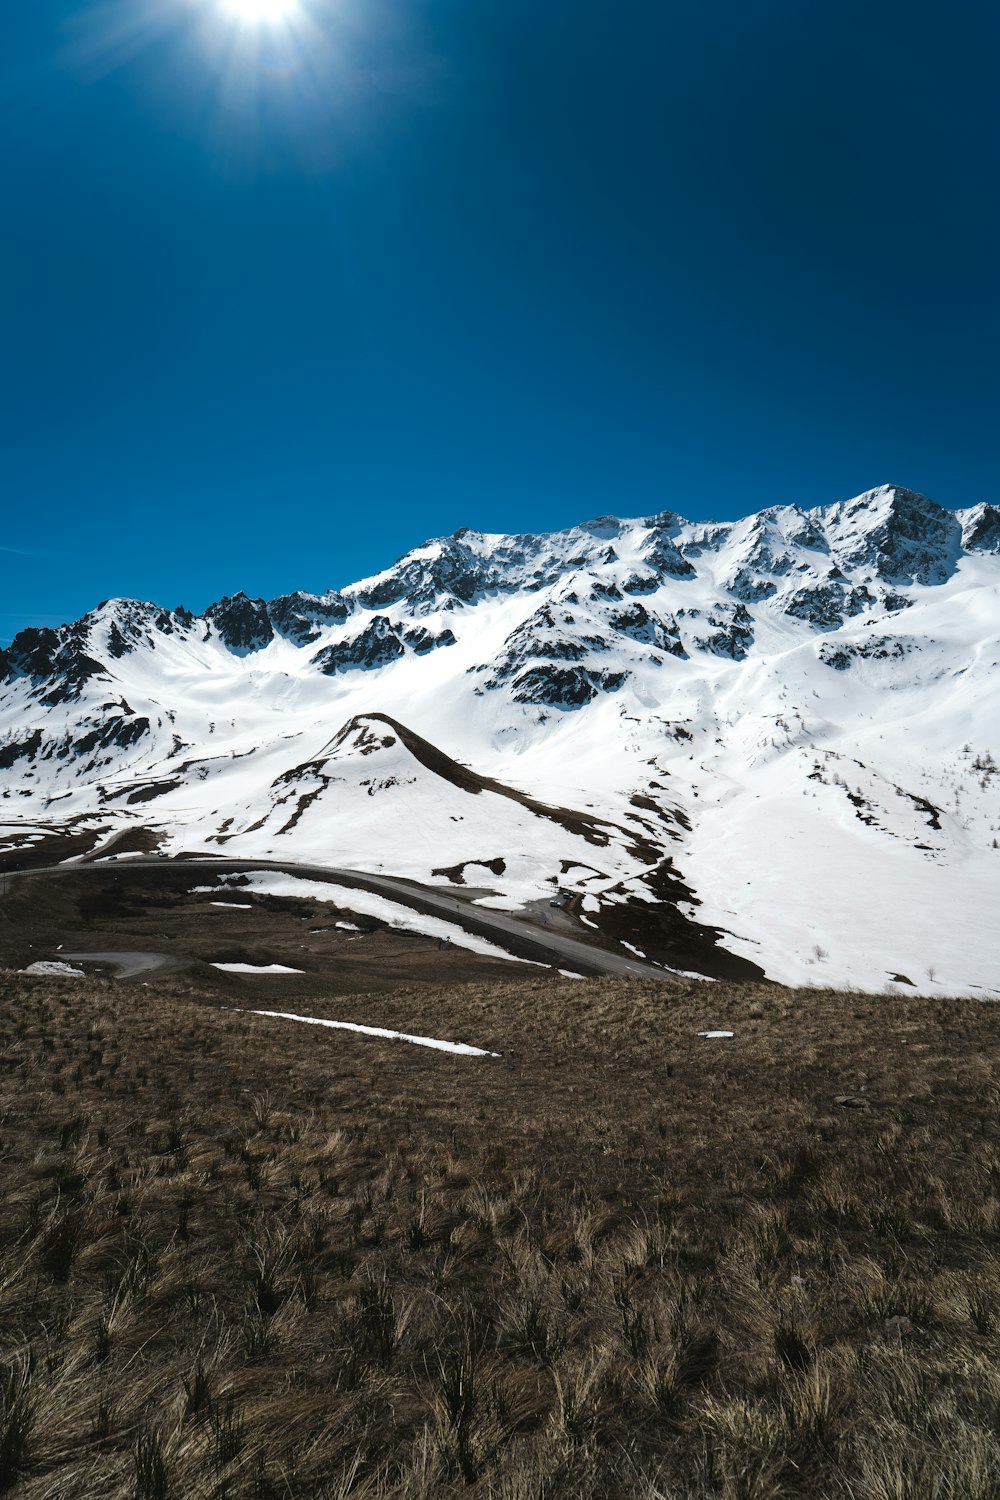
244,1257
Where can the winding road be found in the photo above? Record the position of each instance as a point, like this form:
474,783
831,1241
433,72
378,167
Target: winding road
520,936
130,965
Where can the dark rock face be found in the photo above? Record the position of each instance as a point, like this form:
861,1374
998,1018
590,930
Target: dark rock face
750,587
63,661
168,622
378,644
982,530
242,624
421,641
828,604
56,660
641,583
417,582
638,624
840,655
916,541
605,589
135,624
532,655
662,554
13,750
119,731
455,570
117,728
732,632
552,633
563,687
301,617
454,575
31,653
117,643
549,632
893,601
822,605
73,670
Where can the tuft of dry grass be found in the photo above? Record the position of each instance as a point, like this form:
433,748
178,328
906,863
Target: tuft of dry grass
240,1259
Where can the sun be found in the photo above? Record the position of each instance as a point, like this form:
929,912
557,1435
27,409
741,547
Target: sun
261,12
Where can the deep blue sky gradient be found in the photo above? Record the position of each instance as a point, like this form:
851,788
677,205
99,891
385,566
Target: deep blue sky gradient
491,263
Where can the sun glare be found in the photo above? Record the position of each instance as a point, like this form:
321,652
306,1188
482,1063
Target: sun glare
261,12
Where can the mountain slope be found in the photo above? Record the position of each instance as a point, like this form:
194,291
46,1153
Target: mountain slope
778,733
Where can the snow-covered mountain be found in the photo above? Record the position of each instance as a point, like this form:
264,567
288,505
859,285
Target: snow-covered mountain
764,743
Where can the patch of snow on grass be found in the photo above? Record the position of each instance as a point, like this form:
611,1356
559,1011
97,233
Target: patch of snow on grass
256,969
54,970
459,1048
369,905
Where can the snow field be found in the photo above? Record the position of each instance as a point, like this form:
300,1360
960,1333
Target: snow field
781,862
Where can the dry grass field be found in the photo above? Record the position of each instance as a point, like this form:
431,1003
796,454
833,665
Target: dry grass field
244,1257
171,910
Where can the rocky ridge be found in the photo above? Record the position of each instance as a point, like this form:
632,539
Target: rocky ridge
823,568
649,667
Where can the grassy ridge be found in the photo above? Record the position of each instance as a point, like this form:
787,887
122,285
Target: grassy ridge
241,1257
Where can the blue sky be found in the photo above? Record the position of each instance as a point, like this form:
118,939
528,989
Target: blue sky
278,303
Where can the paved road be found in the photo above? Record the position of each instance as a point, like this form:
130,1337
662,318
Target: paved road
525,938
101,851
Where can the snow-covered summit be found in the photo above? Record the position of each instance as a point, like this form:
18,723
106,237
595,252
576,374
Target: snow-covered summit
792,717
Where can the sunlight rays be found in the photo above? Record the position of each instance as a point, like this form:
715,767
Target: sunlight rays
111,34
262,12
250,77
262,85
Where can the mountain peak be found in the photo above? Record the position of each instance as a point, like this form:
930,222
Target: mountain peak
902,536
896,496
